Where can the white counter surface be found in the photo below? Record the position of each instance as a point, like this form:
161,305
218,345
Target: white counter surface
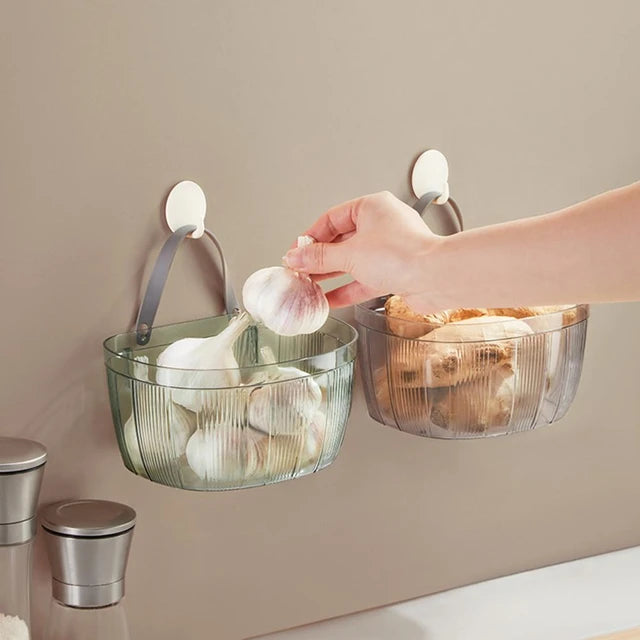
570,601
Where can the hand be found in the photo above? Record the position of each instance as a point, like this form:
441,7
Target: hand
587,252
377,239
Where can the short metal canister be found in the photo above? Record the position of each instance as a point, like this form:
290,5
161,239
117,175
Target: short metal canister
88,544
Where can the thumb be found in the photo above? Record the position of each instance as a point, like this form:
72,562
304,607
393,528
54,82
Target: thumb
319,257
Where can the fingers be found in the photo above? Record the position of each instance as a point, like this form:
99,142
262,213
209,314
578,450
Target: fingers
336,221
319,257
319,277
341,238
349,294
345,236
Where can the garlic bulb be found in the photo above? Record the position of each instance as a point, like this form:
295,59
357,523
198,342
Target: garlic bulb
195,367
177,425
160,423
314,441
285,301
223,452
129,431
288,401
278,455
133,447
182,423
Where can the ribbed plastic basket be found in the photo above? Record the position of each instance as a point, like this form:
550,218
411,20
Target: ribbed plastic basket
470,388
154,428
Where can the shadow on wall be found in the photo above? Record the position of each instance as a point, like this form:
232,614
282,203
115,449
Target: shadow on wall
372,625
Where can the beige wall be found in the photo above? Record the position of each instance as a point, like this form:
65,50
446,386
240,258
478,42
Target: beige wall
280,109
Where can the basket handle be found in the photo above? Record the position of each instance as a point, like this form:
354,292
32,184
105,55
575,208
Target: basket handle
429,198
158,279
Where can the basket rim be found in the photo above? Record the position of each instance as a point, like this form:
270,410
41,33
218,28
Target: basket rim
366,310
353,338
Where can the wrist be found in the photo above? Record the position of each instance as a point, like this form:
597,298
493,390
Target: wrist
433,273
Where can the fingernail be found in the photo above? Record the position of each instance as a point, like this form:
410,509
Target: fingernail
292,259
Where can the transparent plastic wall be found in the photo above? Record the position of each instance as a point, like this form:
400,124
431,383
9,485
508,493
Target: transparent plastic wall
216,437
470,388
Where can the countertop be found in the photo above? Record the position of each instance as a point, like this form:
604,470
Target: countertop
570,601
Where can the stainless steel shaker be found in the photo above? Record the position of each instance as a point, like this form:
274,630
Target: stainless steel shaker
88,545
21,470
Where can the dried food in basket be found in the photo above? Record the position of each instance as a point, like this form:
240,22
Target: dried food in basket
396,307
465,350
461,375
473,407
406,323
456,352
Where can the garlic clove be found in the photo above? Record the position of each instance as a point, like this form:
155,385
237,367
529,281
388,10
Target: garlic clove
194,367
223,452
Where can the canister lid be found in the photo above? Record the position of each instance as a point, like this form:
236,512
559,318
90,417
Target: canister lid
17,454
88,518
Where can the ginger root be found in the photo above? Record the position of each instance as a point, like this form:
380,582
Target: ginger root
457,369
414,325
472,407
463,351
406,323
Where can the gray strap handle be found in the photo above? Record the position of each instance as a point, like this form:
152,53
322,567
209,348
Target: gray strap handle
453,209
158,279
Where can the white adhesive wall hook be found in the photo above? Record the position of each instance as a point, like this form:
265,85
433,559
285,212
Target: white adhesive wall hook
186,205
430,184
431,174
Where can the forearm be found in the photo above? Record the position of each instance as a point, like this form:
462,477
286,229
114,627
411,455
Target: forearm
589,252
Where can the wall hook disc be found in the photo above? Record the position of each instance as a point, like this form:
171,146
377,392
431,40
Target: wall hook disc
186,205
431,173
